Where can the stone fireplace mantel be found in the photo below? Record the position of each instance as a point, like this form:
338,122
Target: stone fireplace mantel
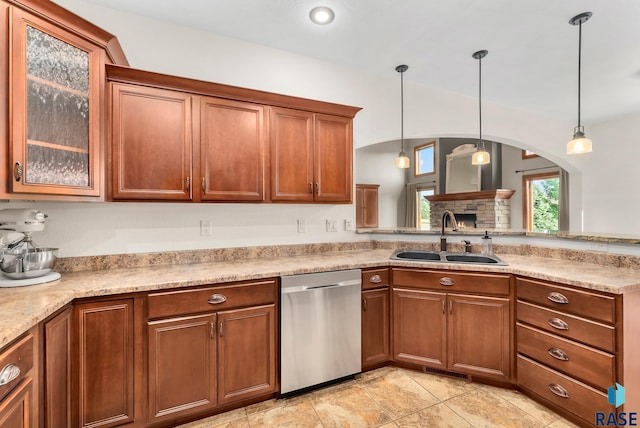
492,208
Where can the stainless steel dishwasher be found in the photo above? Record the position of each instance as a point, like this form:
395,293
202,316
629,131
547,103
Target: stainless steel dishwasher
320,332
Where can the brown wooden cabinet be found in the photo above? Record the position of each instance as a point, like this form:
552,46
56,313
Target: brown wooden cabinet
436,323
182,366
151,143
367,205
246,353
311,156
232,150
231,353
375,318
57,370
211,143
51,115
18,397
104,384
568,344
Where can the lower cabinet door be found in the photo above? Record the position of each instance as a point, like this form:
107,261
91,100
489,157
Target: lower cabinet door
57,371
106,363
246,353
419,327
375,327
479,335
182,361
15,409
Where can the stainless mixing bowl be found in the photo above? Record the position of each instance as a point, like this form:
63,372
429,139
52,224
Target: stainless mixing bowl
27,263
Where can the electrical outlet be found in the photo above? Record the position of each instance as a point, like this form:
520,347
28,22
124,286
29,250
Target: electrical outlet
598,246
302,225
348,224
332,225
206,227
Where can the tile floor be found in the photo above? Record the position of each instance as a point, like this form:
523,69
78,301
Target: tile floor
392,397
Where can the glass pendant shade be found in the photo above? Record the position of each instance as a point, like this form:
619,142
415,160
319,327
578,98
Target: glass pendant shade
481,157
402,161
580,143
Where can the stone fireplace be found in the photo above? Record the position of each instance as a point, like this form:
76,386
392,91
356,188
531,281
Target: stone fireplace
492,208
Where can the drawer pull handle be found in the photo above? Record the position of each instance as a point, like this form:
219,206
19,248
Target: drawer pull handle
9,373
375,279
558,298
558,390
558,324
558,354
446,281
216,299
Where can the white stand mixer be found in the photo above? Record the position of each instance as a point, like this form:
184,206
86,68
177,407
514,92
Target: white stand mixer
21,261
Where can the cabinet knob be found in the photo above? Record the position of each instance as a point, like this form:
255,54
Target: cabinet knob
560,298
364,304
309,187
446,281
558,390
558,354
558,324
216,299
375,279
18,171
204,185
9,372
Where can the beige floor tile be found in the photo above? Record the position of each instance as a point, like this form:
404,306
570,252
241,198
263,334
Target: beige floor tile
389,425
273,403
348,407
229,419
438,416
562,423
523,402
441,386
397,394
294,414
484,409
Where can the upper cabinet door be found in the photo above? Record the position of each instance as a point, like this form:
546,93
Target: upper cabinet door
232,150
291,155
333,154
55,99
151,141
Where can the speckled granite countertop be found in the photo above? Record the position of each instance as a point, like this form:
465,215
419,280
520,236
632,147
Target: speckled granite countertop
23,307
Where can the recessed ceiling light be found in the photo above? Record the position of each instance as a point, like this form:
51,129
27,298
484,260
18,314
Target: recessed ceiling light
321,15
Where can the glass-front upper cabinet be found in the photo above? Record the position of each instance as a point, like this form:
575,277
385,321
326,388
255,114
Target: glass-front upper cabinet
55,109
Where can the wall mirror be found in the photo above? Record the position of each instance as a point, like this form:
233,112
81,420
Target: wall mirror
461,176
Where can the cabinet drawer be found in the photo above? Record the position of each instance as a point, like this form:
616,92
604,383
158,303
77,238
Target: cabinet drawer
562,390
447,281
215,298
578,302
589,332
15,363
588,364
375,278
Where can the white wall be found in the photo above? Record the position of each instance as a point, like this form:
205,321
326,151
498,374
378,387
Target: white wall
429,113
370,162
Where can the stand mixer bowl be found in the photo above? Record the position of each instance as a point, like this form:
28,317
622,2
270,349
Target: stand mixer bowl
21,263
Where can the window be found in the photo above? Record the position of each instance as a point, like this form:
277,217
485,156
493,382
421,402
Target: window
424,207
425,159
526,154
540,202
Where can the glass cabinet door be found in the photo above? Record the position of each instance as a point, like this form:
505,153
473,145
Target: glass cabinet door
55,99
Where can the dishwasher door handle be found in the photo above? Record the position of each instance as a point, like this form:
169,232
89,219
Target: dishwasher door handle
302,288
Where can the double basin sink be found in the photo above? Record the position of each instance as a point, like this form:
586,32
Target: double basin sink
446,257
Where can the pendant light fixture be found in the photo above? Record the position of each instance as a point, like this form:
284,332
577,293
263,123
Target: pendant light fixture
580,143
402,161
481,156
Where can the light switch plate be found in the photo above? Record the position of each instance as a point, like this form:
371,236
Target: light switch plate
332,225
348,224
302,225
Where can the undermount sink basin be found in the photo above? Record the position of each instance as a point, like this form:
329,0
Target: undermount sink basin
445,257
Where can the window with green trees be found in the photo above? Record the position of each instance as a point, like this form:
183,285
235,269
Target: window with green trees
541,202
